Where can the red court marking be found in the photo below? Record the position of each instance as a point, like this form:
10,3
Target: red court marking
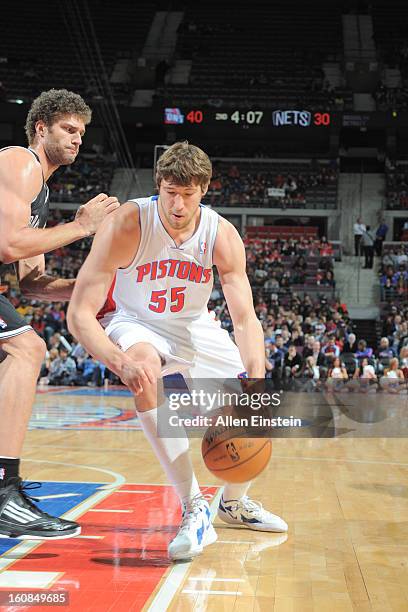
120,572
126,415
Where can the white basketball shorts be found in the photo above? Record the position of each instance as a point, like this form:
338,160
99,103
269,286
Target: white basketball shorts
197,349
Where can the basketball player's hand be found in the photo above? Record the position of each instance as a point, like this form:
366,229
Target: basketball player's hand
136,376
91,214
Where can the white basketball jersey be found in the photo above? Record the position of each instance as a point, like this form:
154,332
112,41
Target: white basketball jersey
165,281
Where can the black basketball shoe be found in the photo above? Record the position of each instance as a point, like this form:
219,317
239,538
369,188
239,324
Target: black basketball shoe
20,518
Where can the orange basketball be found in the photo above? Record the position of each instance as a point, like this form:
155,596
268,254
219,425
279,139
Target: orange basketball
230,455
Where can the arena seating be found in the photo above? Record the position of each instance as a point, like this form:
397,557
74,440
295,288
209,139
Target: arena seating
51,59
394,273
390,20
271,55
280,231
305,184
91,174
397,185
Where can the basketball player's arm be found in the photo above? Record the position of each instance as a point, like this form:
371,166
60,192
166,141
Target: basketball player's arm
36,284
114,246
20,182
229,258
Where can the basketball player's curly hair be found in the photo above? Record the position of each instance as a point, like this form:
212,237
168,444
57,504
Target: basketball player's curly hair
53,104
184,164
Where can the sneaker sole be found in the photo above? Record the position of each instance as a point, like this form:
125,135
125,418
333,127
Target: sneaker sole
210,538
26,536
261,527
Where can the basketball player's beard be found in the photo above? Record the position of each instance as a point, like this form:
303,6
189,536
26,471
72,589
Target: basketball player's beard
58,156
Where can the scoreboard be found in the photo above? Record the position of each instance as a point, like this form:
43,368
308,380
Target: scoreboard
246,119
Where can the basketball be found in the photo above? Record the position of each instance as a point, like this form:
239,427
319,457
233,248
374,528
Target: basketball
232,456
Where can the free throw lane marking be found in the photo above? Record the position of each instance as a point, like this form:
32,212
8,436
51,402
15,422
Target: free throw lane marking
178,572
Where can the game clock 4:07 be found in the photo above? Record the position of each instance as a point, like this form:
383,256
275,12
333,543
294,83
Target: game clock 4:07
247,117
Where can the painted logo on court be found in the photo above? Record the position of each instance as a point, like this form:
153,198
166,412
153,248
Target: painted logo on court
88,416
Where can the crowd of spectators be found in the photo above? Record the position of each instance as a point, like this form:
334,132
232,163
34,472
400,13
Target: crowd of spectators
310,345
310,342
394,274
394,98
90,175
244,184
397,185
275,265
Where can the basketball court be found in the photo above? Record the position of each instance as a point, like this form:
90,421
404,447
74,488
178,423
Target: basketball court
343,499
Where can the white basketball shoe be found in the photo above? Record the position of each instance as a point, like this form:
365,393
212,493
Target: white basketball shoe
250,514
196,531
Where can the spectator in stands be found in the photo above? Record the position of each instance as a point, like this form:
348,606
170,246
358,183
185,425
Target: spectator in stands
358,230
380,236
292,364
393,376
388,290
50,357
299,267
350,346
365,370
365,376
403,360
336,375
367,240
280,344
92,373
275,356
311,374
325,248
326,279
363,350
63,370
318,357
38,323
297,337
403,333
384,350
331,348
400,336
401,257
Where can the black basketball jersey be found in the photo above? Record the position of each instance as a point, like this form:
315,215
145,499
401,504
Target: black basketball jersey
41,203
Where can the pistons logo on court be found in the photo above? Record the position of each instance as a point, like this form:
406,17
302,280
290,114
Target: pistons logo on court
203,247
3,324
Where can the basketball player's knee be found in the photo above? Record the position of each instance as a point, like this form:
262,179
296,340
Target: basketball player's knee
31,348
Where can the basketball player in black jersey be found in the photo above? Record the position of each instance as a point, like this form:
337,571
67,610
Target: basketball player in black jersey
55,126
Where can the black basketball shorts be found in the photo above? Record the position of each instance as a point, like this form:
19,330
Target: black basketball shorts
11,323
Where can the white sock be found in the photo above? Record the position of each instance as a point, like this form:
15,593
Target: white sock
235,490
173,454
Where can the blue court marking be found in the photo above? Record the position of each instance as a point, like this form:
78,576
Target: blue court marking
55,506
98,392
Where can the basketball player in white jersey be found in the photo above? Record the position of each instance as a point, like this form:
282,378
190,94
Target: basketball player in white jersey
153,258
